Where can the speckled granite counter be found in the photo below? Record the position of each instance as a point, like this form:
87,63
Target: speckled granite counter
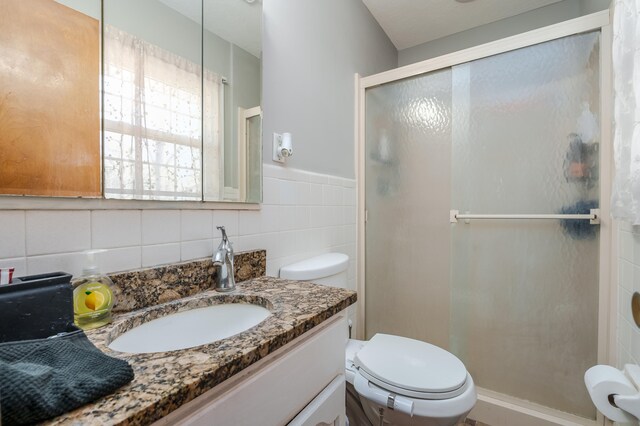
166,380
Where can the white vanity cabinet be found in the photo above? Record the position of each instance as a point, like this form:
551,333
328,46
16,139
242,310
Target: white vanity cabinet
301,384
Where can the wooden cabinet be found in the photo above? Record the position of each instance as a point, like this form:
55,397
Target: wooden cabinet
49,100
301,384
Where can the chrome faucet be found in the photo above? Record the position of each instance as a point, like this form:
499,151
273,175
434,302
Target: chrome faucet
223,262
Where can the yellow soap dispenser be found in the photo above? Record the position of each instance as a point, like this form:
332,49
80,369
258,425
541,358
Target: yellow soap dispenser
92,296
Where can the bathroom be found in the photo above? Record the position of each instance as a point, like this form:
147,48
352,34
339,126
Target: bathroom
315,186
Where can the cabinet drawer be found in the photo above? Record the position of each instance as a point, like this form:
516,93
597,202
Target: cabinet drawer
326,409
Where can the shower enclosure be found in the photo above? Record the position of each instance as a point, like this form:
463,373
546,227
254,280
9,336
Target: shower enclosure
484,182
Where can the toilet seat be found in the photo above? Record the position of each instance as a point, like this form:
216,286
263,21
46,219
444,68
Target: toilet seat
411,368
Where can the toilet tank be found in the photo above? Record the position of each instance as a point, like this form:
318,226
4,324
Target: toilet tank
327,269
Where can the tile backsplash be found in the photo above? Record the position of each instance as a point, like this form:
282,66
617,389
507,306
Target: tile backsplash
303,214
151,286
628,282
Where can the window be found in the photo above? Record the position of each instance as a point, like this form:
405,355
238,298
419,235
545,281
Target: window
153,122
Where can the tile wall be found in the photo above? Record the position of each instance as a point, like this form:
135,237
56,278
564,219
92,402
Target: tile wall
303,214
629,281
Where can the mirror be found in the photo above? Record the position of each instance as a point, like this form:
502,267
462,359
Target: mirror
181,94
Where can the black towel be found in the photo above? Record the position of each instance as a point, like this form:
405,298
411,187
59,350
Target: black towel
41,379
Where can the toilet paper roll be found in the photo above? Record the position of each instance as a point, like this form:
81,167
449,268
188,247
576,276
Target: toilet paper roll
604,381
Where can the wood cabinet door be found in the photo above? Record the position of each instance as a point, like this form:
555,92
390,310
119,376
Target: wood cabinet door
49,100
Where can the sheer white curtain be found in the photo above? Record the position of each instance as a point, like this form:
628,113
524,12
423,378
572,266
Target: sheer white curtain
153,121
213,163
626,68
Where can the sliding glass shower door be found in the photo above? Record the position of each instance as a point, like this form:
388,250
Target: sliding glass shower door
408,185
511,134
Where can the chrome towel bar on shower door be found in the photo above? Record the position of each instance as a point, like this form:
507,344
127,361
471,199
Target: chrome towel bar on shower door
593,217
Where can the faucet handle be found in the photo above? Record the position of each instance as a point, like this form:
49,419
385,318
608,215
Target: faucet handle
224,233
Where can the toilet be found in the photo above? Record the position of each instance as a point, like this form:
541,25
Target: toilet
406,381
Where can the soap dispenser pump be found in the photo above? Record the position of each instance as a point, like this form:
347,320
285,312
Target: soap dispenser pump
92,295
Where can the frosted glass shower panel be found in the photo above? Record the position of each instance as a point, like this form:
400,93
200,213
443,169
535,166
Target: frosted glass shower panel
407,167
524,293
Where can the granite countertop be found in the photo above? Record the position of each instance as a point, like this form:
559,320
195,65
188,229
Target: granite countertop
166,380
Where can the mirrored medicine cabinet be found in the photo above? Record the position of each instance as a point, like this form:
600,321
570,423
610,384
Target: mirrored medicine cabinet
136,100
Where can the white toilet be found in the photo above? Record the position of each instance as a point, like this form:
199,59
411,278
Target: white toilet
424,384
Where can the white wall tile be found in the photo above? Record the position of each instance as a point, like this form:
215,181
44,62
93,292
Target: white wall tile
635,343
288,192
335,180
634,285
331,195
249,222
629,281
297,175
12,234
160,254
253,242
626,246
316,217
349,196
625,334
272,171
349,183
315,194
269,219
271,191
332,215
624,305
196,225
302,217
273,267
303,194
160,226
635,255
288,218
228,219
288,243
351,249
318,178
625,226
71,263
351,215
115,228
120,259
63,231
197,249
303,239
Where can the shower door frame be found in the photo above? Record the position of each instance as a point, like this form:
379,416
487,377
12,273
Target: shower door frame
494,408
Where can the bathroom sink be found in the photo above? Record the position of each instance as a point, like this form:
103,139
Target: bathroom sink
190,328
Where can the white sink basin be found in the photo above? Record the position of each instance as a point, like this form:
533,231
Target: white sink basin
191,328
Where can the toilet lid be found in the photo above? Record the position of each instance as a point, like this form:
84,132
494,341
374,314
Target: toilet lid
401,364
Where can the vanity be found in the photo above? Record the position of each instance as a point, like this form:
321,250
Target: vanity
288,369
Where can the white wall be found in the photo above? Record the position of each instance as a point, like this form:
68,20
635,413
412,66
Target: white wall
537,18
304,214
628,282
311,50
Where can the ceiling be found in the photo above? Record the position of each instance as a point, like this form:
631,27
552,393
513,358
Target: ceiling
237,21
412,22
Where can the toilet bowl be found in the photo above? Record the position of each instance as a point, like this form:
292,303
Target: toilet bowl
402,380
